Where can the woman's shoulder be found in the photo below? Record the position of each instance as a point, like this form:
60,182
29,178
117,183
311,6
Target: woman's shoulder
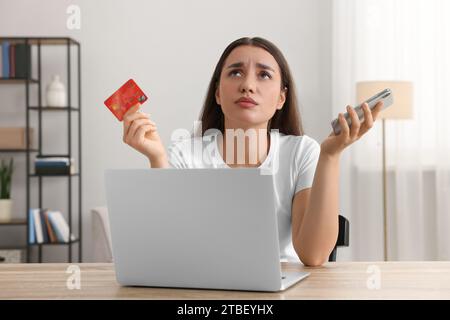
298,148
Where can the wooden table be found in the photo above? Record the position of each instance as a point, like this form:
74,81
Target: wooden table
335,280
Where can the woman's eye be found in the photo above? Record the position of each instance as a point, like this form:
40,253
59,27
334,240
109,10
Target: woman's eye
264,74
234,72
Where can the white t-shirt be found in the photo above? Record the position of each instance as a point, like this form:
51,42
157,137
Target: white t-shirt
292,160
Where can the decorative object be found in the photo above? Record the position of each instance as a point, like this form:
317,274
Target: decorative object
56,93
11,256
5,190
402,108
15,138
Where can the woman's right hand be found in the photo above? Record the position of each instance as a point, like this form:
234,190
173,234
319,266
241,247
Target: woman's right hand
141,133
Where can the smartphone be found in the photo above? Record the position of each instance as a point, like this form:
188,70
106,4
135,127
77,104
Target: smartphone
124,98
385,96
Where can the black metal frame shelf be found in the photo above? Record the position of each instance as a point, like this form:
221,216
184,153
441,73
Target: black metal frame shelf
55,243
54,109
13,222
18,80
54,175
38,107
18,150
13,247
42,40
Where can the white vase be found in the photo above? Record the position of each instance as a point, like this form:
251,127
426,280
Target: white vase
5,210
56,93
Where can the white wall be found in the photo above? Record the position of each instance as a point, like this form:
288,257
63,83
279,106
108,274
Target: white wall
170,48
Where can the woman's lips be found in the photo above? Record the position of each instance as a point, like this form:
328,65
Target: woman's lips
246,104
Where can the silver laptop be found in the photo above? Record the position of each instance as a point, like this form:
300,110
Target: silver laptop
195,228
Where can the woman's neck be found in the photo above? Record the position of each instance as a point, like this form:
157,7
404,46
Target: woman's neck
244,147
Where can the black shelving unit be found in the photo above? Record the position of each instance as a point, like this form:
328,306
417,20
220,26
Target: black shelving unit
34,82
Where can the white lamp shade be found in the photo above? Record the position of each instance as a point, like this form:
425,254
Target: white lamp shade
402,91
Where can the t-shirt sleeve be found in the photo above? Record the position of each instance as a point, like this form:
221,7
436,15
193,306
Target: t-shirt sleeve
307,157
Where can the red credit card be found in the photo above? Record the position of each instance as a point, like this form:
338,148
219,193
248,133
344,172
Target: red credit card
124,98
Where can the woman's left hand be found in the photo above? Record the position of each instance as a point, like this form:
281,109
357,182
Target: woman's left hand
333,145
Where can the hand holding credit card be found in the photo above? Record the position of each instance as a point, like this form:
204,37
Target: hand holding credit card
139,131
128,95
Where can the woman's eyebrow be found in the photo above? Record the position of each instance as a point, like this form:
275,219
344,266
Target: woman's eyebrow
259,65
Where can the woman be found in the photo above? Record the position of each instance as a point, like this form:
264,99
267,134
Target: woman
252,90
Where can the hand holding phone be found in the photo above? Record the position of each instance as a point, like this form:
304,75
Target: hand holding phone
385,96
128,95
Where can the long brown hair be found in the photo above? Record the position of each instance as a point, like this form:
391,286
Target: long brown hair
287,120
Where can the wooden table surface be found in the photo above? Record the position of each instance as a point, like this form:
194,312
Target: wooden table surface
335,280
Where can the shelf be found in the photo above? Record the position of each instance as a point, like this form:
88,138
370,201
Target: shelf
52,156
18,150
38,40
54,175
32,82
14,222
13,247
55,243
54,109
17,80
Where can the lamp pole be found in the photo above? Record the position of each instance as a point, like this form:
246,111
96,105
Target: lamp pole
384,192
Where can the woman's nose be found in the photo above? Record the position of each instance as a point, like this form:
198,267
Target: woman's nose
248,84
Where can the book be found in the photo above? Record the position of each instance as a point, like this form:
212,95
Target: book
1,60
12,61
22,61
44,227
53,159
54,223
54,165
38,226
15,60
31,231
50,231
54,170
51,164
60,226
5,59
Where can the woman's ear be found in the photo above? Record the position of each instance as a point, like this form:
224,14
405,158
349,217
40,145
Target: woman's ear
282,99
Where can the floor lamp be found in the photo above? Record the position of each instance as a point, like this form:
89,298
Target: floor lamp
400,109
